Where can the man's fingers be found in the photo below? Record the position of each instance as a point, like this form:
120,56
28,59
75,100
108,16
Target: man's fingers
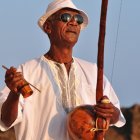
12,70
104,115
104,110
14,80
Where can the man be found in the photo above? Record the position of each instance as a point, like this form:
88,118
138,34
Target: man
65,82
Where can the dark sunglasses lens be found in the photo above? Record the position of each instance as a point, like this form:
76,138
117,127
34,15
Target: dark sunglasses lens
66,17
79,19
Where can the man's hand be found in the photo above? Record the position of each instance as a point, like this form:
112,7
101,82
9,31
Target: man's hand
13,79
107,111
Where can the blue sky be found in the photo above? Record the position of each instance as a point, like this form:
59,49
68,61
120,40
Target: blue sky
21,39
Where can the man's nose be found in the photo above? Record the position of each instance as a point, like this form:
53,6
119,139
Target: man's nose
73,21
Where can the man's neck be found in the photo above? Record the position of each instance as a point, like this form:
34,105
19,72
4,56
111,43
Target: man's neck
60,54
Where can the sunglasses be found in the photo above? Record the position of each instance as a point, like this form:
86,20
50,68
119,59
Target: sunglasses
66,17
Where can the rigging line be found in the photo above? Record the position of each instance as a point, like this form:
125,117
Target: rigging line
116,42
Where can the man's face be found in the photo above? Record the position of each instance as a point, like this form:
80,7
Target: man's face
64,32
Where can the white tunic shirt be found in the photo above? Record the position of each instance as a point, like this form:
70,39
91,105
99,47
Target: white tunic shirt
42,116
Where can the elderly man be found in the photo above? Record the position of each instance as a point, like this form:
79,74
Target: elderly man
65,82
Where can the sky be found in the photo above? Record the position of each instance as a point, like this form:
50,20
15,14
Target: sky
21,39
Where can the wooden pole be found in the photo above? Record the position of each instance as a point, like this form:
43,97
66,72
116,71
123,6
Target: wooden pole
100,64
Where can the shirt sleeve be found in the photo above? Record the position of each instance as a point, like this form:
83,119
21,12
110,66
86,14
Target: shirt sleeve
109,91
3,96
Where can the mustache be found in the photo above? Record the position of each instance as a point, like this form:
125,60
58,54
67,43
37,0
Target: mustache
72,29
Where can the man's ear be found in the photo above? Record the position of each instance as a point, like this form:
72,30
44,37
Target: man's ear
47,27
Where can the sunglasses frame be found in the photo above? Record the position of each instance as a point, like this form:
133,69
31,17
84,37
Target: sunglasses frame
67,17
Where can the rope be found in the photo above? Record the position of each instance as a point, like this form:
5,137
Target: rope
99,129
116,42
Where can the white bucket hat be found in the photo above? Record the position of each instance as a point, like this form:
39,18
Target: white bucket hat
60,4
